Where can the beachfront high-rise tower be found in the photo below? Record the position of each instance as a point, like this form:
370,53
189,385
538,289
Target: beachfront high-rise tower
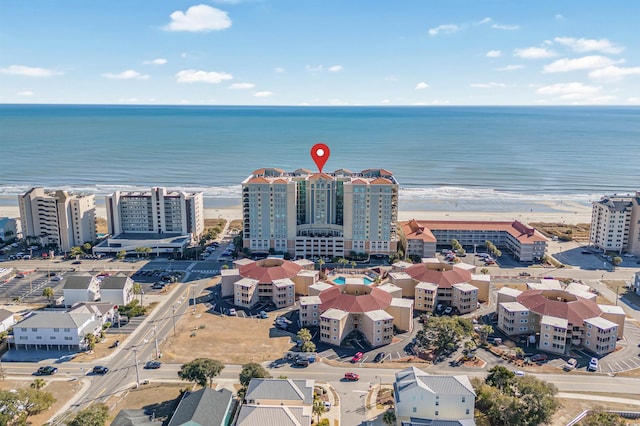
615,223
309,214
58,218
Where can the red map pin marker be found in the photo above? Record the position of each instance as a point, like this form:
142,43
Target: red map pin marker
320,154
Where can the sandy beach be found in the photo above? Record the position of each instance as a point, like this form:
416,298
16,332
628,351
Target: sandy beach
572,213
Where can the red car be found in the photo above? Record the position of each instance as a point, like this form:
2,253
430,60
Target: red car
539,358
351,377
357,357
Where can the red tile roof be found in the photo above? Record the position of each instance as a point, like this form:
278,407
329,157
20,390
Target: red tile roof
517,229
574,309
334,298
258,180
381,181
414,230
264,169
321,176
444,279
266,274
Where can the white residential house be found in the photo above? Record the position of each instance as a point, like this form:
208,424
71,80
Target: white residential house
422,398
55,330
117,290
80,287
282,402
7,320
104,312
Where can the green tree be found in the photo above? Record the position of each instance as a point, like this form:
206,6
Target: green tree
603,418
617,260
90,340
86,247
76,251
95,415
321,264
519,352
252,370
18,406
500,377
38,384
442,334
484,332
121,254
484,271
304,334
389,418
318,408
308,347
48,293
133,309
201,371
137,290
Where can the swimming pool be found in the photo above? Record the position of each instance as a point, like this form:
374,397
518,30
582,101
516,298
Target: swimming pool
360,280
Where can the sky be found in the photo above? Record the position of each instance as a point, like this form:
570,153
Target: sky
320,52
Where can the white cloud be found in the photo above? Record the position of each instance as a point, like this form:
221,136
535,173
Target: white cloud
559,17
197,76
278,69
573,90
589,45
335,68
128,100
227,1
491,85
613,73
633,100
338,102
311,68
494,54
157,61
510,68
444,29
484,21
127,75
584,63
422,85
27,71
505,27
264,94
534,53
25,93
200,18
242,86
385,101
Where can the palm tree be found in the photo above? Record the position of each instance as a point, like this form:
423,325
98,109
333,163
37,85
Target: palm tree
321,264
48,293
318,408
137,290
38,384
353,264
484,332
389,418
76,251
121,254
484,271
616,261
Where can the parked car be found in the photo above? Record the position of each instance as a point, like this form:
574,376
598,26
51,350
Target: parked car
571,364
539,358
519,373
232,312
115,344
357,357
593,365
379,357
351,377
448,310
76,262
301,362
98,369
153,365
263,314
524,274
46,371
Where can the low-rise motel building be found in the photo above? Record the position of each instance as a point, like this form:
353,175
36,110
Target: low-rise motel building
561,318
423,237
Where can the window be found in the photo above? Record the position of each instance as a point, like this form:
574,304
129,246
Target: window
414,409
437,413
467,412
463,400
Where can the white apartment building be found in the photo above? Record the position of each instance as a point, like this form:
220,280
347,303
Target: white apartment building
158,211
9,228
320,214
55,330
425,399
615,223
57,217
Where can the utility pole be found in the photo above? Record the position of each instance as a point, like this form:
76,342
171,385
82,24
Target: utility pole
173,317
135,355
193,296
155,335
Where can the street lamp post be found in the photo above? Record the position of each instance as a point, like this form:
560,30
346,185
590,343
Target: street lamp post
173,317
135,355
155,336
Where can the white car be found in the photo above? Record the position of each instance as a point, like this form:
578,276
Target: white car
519,373
593,364
232,312
448,310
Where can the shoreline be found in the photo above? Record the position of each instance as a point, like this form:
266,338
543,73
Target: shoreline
543,211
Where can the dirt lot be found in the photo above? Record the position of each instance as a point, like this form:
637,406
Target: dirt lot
102,349
62,391
159,397
232,340
579,231
572,407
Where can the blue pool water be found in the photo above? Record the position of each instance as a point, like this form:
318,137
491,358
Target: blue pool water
341,280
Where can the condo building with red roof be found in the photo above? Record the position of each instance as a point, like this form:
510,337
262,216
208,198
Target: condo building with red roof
423,236
307,214
561,318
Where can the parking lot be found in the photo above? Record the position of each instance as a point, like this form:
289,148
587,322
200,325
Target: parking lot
29,287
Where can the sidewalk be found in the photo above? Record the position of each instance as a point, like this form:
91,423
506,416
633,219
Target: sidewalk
600,398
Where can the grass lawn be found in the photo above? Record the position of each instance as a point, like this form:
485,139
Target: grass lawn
572,407
579,231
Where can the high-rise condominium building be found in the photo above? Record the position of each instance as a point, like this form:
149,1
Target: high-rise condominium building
57,217
158,211
310,214
615,223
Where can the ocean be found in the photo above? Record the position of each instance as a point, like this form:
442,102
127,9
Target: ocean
452,157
